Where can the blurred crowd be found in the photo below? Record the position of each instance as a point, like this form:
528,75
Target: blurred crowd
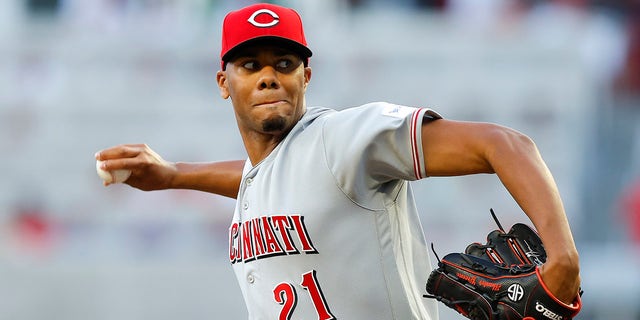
77,76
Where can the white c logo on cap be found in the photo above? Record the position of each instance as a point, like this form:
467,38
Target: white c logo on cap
253,21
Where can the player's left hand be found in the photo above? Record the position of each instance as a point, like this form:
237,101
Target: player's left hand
562,278
508,277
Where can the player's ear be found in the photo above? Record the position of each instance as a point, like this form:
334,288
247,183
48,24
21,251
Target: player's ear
307,76
221,78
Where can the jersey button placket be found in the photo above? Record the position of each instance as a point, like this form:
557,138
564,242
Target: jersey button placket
245,203
250,277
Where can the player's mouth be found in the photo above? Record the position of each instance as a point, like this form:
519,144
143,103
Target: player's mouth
270,104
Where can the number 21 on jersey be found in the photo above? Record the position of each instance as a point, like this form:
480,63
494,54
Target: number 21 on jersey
285,294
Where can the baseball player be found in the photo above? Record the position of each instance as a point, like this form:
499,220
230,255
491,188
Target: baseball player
325,225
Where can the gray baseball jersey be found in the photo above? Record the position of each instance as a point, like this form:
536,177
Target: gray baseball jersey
326,226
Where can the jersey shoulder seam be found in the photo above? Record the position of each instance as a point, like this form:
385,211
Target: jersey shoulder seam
335,179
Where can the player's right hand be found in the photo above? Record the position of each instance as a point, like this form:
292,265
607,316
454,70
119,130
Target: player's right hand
149,171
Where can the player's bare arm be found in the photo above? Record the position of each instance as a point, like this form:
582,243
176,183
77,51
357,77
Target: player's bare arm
459,148
149,171
222,177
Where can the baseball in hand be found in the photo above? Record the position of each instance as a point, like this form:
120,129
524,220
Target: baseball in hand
115,176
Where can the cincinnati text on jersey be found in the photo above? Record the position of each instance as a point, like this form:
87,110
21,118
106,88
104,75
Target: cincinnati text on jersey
268,236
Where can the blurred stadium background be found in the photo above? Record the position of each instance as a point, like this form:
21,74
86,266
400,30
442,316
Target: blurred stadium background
77,76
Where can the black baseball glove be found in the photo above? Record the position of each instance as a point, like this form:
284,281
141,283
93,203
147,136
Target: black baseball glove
499,280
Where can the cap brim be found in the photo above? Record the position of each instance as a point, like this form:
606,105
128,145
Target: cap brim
296,47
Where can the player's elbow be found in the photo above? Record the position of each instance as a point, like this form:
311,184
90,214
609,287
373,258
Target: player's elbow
508,144
518,142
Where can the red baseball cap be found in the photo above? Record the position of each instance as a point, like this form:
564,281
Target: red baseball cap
263,23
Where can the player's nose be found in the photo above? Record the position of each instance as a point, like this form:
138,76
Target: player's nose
268,78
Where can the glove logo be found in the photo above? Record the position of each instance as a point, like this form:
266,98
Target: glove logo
533,255
546,312
516,292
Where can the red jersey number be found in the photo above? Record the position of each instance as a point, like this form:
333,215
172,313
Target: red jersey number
285,295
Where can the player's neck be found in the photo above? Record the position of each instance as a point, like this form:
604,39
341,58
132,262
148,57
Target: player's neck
260,146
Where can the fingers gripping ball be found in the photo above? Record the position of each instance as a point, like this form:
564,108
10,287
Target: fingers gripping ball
114,176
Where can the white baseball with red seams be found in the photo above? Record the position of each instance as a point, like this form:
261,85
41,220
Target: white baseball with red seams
360,255
114,176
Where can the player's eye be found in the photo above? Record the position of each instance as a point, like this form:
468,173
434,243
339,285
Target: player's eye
250,65
284,64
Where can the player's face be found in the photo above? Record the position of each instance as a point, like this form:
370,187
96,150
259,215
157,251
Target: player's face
266,86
